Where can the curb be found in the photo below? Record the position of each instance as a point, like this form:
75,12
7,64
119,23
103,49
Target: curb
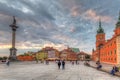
116,74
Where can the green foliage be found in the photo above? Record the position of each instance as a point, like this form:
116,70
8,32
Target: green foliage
5,57
26,54
21,55
1,58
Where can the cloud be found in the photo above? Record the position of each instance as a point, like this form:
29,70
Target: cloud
54,22
75,11
92,15
56,46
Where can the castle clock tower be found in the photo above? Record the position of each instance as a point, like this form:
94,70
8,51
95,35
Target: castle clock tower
100,37
117,30
117,35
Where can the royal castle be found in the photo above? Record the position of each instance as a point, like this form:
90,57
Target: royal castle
107,51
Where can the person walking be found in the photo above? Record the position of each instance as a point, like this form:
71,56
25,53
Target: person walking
7,62
59,64
63,64
76,62
72,62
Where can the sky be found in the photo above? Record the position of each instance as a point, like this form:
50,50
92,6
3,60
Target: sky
56,23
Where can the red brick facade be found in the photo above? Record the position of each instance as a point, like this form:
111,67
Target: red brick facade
108,51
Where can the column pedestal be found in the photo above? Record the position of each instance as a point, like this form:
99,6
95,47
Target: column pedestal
13,54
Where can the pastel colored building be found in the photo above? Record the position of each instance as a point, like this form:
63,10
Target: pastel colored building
40,55
29,56
107,51
69,53
25,58
82,56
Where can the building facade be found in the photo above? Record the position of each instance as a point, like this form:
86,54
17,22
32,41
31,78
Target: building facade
107,51
68,54
82,56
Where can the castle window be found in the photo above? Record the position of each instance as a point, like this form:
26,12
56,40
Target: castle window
111,52
114,51
115,59
114,42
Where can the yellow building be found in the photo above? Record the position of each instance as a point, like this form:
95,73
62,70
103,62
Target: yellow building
41,55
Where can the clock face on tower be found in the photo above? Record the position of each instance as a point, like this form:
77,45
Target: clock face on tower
101,37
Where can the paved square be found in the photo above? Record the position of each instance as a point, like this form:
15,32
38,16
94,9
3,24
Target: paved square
33,71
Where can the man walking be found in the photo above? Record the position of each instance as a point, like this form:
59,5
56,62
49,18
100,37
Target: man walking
63,64
59,64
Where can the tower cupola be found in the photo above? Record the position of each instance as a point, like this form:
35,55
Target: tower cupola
118,23
100,29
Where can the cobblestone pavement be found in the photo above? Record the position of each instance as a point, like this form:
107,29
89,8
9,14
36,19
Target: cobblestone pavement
33,71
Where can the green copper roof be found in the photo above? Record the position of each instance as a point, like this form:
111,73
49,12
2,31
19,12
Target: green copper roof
100,29
118,23
76,50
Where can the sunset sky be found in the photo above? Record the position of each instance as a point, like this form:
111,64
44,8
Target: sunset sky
57,23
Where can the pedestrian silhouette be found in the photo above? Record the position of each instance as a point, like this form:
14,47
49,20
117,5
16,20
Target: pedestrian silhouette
76,62
72,62
59,64
63,64
7,62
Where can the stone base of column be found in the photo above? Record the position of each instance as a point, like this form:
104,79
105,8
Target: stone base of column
13,56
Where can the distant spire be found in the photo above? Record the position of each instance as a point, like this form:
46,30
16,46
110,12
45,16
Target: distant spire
99,22
118,23
119,16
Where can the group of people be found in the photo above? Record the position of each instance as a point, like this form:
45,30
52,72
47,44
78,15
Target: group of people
114,70
74,62
87,63
59,62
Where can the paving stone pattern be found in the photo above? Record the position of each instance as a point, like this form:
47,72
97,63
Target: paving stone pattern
33,71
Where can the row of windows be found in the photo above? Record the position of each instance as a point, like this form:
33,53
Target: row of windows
109,53
109,59
114,42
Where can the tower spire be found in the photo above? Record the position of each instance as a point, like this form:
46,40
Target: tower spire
118,23
119,16
99,23
100,29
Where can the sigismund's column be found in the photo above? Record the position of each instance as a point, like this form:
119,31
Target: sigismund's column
13,50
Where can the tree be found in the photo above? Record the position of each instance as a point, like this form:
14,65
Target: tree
1,58
5,57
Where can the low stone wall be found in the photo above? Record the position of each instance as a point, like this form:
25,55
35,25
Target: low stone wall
104,70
